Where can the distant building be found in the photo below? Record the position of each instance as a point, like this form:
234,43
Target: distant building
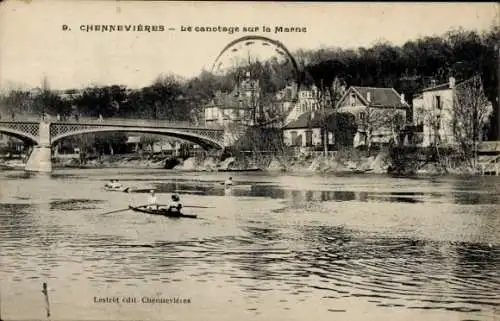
4,140
168,145
286,101
304,131
437,107
308,130
133,143
418,110
376,110
308,100
240,106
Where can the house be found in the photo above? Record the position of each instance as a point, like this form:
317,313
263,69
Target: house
239,106
305,131
308,100
285,102
435,111
378,112
439,110
309,128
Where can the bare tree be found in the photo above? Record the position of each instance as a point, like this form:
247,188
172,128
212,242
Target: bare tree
470,115
382,122
327,98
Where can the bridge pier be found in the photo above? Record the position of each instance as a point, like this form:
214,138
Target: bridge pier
40,159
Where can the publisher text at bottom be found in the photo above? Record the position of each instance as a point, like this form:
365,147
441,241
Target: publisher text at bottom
143,299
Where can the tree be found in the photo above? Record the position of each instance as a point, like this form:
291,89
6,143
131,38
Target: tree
470,115
16,101
382,121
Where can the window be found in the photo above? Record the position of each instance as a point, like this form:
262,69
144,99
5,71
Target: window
309,138
362,116
352,101
293,137
437,102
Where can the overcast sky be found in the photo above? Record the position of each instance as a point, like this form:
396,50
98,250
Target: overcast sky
33,45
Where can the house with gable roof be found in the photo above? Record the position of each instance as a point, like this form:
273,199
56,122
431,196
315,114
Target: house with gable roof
309,129
379,112
436,106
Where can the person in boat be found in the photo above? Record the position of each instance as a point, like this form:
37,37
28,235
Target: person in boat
110,183
152,202
113,184
175,205
228,183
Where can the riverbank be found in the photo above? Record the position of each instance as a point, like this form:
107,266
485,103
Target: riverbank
340,162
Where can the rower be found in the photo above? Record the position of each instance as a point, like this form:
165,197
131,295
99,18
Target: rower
228,183
174,205
152,202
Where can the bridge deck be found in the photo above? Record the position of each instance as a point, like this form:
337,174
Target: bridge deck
125,122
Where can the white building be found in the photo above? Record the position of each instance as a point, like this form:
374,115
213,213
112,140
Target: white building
437,109
305,131
438,113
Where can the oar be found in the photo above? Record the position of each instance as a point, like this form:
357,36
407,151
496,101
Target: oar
116,211
192,206
121,210
195,206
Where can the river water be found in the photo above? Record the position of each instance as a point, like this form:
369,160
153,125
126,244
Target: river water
274,247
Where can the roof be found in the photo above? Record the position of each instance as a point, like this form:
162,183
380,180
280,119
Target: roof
229,101
444,86
307,120
383,97
437,87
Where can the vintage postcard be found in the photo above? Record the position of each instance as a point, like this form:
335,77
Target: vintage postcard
164,160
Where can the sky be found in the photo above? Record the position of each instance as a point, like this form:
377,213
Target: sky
34,46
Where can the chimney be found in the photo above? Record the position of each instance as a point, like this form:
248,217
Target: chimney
403,101
368,97
433,83
452,82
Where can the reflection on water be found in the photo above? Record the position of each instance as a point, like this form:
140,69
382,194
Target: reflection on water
385,244
250,189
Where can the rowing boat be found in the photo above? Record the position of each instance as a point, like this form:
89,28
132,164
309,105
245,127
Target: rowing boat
117,189
160,211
